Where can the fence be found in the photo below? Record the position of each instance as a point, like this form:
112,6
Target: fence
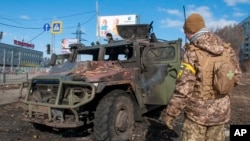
12,78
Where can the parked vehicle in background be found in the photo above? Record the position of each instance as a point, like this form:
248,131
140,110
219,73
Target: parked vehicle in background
19,71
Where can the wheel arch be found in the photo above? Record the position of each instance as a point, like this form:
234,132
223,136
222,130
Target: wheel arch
130,90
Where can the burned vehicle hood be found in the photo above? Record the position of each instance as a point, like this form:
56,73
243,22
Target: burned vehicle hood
98,71
91,71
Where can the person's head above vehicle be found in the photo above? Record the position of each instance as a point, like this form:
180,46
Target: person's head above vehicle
109,36
193,24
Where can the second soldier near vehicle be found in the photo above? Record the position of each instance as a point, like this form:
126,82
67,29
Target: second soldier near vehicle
109,37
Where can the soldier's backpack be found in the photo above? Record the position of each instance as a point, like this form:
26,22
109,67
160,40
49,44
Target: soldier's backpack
218,69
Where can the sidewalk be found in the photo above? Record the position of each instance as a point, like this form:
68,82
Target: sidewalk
9,96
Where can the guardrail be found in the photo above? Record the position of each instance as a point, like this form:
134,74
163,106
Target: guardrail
13,78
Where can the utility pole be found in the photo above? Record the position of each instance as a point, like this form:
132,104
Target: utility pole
4,57
79,37
97,22
79,33
51,43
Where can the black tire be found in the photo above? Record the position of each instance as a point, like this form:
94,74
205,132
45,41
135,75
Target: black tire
114,117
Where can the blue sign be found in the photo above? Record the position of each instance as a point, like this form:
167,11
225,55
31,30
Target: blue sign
56,27
46,27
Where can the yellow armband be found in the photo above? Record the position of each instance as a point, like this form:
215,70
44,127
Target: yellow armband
184,66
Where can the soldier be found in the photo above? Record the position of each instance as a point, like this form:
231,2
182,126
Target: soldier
205,115
109,37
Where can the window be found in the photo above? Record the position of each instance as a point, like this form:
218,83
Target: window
84,57
160,54
88,54
118,53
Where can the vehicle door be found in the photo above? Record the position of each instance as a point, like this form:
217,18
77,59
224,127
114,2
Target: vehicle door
161,62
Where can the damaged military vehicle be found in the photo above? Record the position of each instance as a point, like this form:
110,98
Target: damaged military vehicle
108,85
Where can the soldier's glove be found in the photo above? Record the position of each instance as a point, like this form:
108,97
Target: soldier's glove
169,122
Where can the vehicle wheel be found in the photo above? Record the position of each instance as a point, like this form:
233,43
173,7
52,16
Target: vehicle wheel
114,117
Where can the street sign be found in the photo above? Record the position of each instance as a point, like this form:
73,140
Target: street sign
46,27
56,27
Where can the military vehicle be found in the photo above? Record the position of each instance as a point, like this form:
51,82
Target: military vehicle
108,85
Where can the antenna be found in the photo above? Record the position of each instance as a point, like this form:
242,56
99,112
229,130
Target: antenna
184,11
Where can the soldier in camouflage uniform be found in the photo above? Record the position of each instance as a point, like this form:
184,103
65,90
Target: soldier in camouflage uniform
205,115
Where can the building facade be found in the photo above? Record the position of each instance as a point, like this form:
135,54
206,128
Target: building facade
245,47
17,56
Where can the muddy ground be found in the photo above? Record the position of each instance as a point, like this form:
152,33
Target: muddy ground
12,128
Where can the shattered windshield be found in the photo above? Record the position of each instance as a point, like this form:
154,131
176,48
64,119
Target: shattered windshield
64,66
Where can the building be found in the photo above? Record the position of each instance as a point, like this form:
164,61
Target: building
18,56
245,47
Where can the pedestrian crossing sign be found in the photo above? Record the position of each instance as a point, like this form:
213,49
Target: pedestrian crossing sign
56,27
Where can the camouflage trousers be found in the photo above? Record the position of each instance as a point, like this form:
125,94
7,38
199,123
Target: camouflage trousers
192,131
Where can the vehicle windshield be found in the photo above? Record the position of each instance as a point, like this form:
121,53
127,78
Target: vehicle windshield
64,62
63,65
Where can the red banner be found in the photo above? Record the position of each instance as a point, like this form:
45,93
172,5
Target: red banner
23,44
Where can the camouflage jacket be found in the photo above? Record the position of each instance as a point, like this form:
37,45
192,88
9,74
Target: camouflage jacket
203,111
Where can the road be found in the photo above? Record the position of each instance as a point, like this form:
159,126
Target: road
151,129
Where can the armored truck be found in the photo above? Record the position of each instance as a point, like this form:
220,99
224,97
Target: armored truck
108,85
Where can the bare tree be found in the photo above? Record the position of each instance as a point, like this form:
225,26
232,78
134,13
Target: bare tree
232,34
